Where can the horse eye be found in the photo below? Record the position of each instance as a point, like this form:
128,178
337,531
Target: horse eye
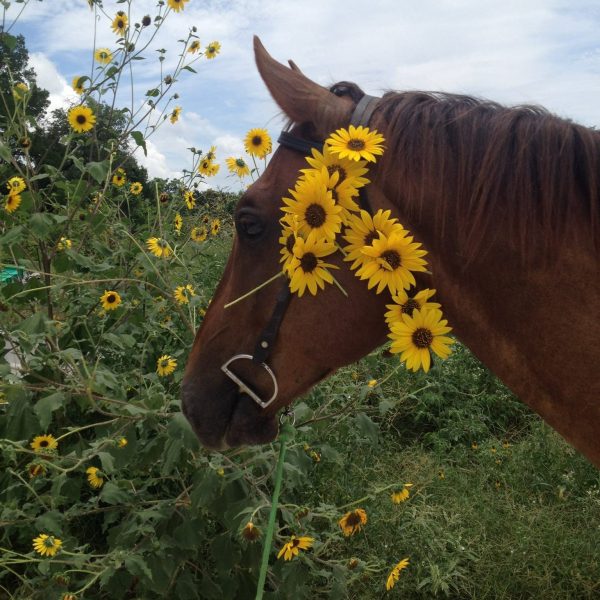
249,226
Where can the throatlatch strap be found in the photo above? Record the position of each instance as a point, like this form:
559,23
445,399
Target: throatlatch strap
364,111
267,338
300,145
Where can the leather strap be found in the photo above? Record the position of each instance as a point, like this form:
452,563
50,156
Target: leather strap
364,111
269,333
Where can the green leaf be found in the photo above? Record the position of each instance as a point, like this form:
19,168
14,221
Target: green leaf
107,461
136,565
113,494
36,323
98,170
138,136
46,406
179,428
13,235
153,93
10,41
41,224
50,522
188,68
5,152
367,427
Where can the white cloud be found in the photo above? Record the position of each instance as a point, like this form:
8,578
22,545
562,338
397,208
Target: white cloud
48,77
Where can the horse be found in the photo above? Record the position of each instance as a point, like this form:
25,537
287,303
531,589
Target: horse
505,200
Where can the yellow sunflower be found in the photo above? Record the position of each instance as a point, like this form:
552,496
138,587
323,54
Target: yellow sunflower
237,166
343,193
395,259
119,177
250,532
81,119
44,443
211,154
214,169
205,167
212,50
46,545
136,188
395,574
12,202
16,185
307,269
194,47
165,365
403,305
190,199
122,442
314,206
94,477
258,143
177,5
20,91
353,521
175,114
356,143
419,333
110,300
402,495
293,547
215,227
159,247
363,230
64,243
183,293
199,234
289,233
103,55
77,84
347,170
178,222
119,24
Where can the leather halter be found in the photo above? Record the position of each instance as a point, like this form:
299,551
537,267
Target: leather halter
362,114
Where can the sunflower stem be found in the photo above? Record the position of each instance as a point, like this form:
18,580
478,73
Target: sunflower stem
339,286
258,287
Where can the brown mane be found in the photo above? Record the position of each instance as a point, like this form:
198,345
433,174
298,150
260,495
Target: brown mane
520,166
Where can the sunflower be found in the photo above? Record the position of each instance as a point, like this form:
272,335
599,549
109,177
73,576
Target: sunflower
159,247
20,91
212,50
119,177
402,495
46,545
199,234
77,84
395,574
403,305
258,143
178,222
215,227
110,300
94,477
307,269
314,206
177,5
211,154
183,293
122,442
205,166
175,114
214,169
103,55
12,202
136,188
356,143
190,199
293,547
289,233
44,443
16,185
237,166
353,521
81,119
119,24
395,258
250,532
343,193
165,365
347,170
416,335
64,243
194,47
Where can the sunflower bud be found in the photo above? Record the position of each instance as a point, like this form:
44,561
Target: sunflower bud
250,532
168,80
163,198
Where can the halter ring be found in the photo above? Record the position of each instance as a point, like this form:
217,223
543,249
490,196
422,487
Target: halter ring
243,387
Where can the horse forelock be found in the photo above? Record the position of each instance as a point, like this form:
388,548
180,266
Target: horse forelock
487,164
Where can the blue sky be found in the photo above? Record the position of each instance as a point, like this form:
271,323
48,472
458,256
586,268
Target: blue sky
544,52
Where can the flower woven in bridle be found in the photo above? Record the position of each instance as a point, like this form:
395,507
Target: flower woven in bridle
289,233
418,334
343,193
347,170
405,304
356,143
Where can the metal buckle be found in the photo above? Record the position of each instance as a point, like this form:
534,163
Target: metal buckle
243,387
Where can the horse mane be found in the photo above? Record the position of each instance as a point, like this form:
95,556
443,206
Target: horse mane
485,164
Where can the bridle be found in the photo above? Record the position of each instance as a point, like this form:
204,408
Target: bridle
362,114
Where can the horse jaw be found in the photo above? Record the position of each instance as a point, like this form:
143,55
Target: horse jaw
302,100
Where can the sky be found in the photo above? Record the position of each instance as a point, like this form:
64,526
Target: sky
515,52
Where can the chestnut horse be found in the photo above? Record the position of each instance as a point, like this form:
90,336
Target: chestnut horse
507,203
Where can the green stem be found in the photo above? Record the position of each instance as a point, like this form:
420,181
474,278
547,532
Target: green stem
258,287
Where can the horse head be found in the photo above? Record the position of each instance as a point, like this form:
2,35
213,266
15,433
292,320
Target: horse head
317,334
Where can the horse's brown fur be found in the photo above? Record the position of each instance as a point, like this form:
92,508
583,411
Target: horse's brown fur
505,201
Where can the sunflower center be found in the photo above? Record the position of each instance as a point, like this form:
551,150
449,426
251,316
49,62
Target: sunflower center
370,237
49,542
80,119
162,243
289,243
43,443
120,24
110,298
353,519
308,262
410,305
257,140
422,337
295,542
240,163
331,169
315,215
355,144
392,258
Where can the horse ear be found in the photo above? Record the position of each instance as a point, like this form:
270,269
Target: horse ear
301,99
